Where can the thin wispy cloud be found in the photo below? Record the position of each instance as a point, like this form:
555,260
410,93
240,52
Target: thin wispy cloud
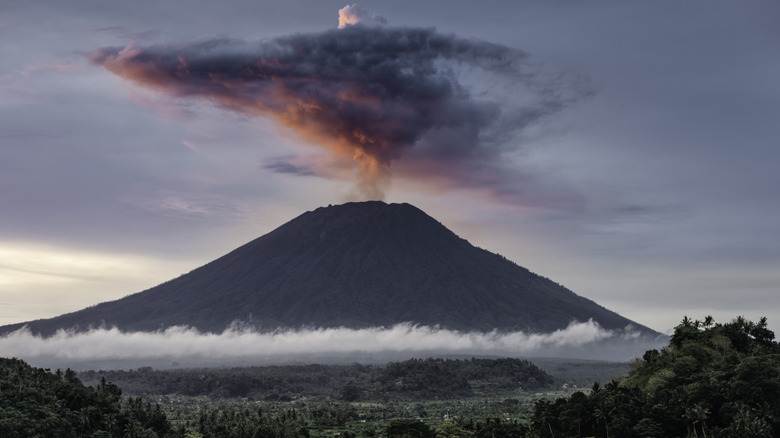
287,165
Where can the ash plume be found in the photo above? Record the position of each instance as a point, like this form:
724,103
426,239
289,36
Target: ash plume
368,94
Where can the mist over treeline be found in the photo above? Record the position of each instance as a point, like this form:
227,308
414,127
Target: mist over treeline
178,347
711,379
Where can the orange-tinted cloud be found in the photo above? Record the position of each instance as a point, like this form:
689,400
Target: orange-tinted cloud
367,94
354,14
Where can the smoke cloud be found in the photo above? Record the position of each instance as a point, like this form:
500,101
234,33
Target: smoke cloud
185,344
354,14
367,94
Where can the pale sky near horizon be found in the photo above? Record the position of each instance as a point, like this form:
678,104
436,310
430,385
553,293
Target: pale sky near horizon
651,189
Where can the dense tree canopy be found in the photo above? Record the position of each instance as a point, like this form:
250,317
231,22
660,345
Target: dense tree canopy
38,403
430,378
713,380
411,379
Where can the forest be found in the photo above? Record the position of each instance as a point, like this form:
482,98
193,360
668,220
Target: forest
711,380
36,402
415,379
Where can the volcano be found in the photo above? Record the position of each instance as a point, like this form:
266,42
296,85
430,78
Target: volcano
355,265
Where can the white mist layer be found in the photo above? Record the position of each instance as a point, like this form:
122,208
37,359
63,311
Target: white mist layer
241,344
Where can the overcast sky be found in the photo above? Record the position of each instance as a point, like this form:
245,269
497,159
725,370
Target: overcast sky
627,150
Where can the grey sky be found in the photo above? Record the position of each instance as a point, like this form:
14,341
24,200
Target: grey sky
655,195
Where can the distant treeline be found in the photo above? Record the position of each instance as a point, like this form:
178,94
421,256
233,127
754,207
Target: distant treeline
412,379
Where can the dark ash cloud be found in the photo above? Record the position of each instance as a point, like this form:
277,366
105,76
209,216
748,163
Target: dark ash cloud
367,94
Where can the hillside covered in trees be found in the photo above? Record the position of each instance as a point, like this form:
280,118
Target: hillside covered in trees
38,403
712,380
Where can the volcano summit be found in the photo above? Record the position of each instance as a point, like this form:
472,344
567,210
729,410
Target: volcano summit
354,265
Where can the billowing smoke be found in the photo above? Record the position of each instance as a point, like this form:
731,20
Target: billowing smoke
187,345
354,14
368,94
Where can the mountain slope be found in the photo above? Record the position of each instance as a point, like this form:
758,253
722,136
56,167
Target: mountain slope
354,265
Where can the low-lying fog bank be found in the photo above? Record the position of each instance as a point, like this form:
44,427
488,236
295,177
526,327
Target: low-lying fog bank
183,347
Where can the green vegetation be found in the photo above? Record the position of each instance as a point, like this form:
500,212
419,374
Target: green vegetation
415,379
712,380
350,420
38,403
